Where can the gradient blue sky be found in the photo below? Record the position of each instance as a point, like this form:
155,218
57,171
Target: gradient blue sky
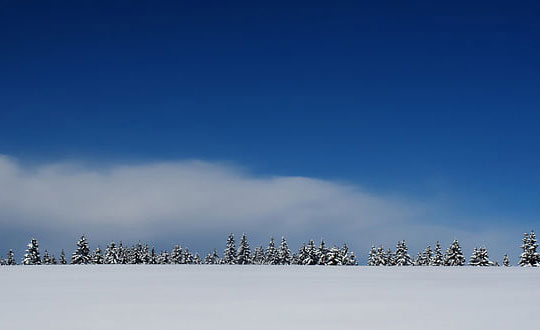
438,103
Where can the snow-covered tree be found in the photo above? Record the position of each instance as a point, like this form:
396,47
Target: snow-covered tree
197,259
63,260
427,255
333,257
188,257
10,261
32,257
453,255
480,258
82,254
284,252
372,256
244,253
352,260
153,260
402,257
506,261
390,258
437,259
418,261
97,256
271,253
164,258
111,254
47,259
177,256
529,257
322,254
229,255
258,256
346,257
212,258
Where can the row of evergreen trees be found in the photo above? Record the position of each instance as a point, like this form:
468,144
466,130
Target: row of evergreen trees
141,254
308,254
452,257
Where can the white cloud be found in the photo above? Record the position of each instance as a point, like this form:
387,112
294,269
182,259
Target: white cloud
201,198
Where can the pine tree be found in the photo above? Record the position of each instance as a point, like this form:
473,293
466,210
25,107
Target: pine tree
333,257
381,257
177,257
346,257
32,257
437,259
402,257
454,256
46,259
212,258
82,253
10,261
163,258
506,261
312,254
97,257
197,259
271,254
244,253
372,256
322,254
480,258
427,255
352,260
153,257
529,257
229,255
258,256
284,252
63,260
111,254
188,257
418,261
389,258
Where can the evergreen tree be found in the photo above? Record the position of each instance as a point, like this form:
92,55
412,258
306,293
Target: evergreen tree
454,256
346,257
271,254
480,258
97,257
163,258
177,257
82,253
212,258
111,254
322,254
10,261
427,255
418,261
333,257
372,257
312,254
258,256
437,259
352,260
32,257
188,257
153,257
46,259
284,252
402,257
506,261
244,253
529,257
389,258
197,259
381,257
63,260
229,255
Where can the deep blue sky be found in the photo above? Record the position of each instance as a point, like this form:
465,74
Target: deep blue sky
417,98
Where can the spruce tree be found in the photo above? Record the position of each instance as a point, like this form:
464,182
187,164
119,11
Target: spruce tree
322,254
153,257
312,254
437,259
46,259
332,257
480,258
345,256
506,261
244,253
258,256
402,257
63,260
212,258
32,257
372,256
380,257
188,257
10,261
81,256
454,256
529,257
111,254
97,257
427,255
389,258
284,252
177,257
271,254
229,255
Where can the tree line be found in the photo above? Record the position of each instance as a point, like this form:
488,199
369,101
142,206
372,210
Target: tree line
308,254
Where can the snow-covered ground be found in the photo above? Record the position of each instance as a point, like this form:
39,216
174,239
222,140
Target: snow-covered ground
267,297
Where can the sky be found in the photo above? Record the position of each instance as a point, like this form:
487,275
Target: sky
364,122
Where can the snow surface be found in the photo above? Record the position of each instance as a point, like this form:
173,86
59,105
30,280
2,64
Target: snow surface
267,297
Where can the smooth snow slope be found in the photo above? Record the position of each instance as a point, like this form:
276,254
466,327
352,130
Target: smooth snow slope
267,297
